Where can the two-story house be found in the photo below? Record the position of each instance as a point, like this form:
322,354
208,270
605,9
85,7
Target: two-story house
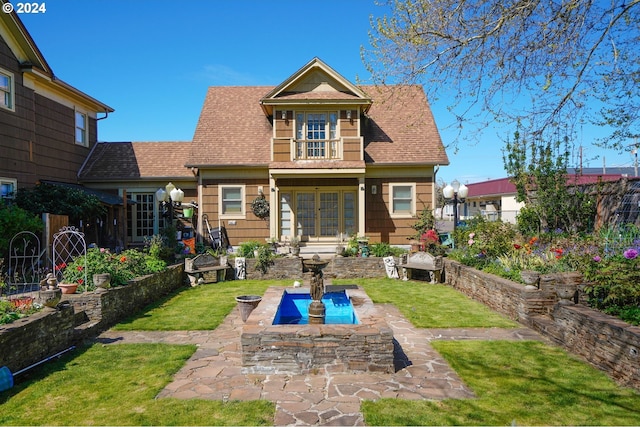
47,127
331,158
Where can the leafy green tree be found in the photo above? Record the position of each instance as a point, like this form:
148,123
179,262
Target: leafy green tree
59,200
538,168
539,63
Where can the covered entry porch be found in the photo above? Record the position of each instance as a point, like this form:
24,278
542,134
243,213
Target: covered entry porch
317,206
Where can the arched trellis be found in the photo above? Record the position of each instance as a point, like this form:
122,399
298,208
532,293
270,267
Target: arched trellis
24,273
68,244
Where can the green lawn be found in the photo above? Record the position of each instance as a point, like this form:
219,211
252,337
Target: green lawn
116,385
516,383
432,305
195,309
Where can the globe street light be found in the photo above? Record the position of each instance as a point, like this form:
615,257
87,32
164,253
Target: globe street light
170,196
455,192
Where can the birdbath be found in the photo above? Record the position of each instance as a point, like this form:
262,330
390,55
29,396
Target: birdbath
316,308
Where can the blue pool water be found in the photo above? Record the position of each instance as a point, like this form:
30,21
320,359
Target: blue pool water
294,308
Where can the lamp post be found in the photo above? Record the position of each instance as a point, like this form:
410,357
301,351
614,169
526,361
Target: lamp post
170,197
455,192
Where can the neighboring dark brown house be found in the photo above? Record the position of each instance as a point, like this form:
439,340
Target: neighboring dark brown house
47,127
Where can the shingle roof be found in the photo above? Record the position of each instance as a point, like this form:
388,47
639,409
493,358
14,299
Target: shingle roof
401,128
233,129
120,161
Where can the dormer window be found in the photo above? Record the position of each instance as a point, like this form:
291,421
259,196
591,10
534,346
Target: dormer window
317,135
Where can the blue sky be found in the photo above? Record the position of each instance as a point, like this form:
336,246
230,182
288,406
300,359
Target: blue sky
152,61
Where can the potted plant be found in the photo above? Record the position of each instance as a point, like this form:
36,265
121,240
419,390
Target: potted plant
68,288
295,246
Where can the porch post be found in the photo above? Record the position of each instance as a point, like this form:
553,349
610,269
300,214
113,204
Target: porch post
361,205
273,208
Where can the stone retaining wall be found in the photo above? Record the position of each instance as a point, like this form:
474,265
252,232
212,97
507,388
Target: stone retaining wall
338,268
80,316
106,307
36,337
605,342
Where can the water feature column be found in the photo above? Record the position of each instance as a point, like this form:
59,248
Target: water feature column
316,308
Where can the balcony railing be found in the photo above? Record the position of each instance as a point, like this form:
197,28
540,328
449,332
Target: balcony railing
306,149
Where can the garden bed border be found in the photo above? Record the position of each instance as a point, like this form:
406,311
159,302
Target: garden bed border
603,341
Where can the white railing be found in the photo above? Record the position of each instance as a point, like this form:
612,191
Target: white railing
306,149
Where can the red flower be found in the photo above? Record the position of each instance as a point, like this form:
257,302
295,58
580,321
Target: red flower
79,268
517,246
123,259
80,281
533,240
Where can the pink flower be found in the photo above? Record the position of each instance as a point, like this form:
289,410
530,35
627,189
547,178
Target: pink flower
472,235
597,258
630,253
471,242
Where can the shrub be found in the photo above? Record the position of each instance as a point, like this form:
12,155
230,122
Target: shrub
14,219
246,248
122,267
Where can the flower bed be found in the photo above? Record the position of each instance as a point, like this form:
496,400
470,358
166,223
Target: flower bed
608,260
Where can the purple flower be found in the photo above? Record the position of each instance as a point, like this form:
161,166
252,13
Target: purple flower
597,258
630,253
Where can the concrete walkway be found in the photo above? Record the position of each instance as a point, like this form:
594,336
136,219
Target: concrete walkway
325,398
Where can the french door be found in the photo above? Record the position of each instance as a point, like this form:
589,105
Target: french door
318,215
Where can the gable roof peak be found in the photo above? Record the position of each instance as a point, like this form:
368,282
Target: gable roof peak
314,80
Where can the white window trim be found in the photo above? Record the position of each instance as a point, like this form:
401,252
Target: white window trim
13,182
85,131
12,91
243,202
411,214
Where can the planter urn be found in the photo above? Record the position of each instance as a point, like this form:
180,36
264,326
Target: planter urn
102,280
566,287
531,279
246,304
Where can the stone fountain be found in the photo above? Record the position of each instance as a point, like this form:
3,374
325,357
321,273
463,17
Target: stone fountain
316,308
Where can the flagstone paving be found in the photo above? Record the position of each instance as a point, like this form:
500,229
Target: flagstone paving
323,398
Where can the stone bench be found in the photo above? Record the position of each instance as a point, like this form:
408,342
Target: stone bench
205,268
423,261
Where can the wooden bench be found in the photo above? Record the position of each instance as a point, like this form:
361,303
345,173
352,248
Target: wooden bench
422,261
205,268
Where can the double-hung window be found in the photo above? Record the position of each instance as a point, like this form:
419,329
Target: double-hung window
81,129
7,188
7,90
231,201
403,199
316,133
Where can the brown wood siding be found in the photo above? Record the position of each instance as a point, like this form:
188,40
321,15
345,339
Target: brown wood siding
37,139
250,228
351,149
283,128
282,150
380,226
58,156
16,127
